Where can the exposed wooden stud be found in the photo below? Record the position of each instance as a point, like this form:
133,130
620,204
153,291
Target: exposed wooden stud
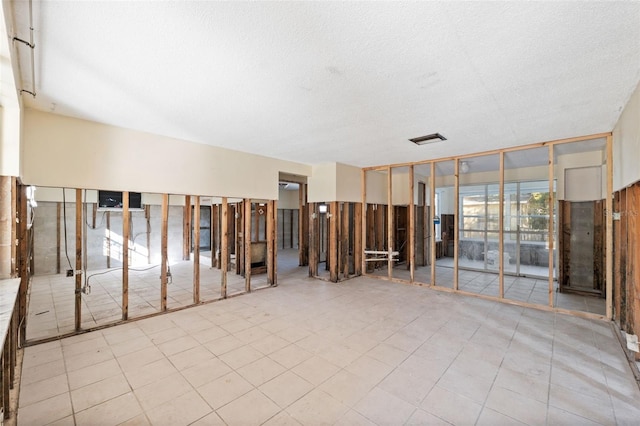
22,253
58,231
14,228
380,230
274,237
196,250
290,225
333,241
361,225
552,199
501,230
239,237
346,220
432,228
412,227
617,252
609,231
186,228
456,224
247,243
314,229
215,233
108,239
94,212
147,218
633,258
338,218
78,276
390,224
497,151
370,232
303,227
224,247
271,241
358,230
164,229
126,226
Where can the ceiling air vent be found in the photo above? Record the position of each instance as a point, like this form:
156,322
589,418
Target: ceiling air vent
423,140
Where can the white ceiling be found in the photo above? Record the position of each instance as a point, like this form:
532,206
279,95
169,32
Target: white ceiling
319,82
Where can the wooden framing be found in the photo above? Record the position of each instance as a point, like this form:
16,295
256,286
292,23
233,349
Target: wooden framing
303,226
390,230
432,232
344,238
609,231
126,221
22,252
58,230
314,229
108,239
164,228
147,218
272,242
501,229
364,224
186,228
78,276
412,227
456,223
196,250
14,228
215,236
552,200
94,212
224,247
247,243
358,250
239,236
617,271
332,257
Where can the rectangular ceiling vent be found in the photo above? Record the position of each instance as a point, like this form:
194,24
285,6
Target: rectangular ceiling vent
423,140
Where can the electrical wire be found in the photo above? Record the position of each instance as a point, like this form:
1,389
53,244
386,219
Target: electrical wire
88,285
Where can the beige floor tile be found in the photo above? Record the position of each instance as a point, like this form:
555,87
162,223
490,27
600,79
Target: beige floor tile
260,371
388,354
133,361
353,418
47,411
99,392
112,412
315,370
162,391
294,334
190,357
286,389
369,369
44,389
241,356
282,419
383,408
556,416
212,419
252,334
224,389
93,373
129,346
317,407
67,421
150,373
407,386
42,372
182,410
205,372
178,345
517,406
269,344
346,387
250,408
223,345
82,360
421,417
290,356
490,417
166,334
475,388
596,409
236,325
209,334
139,420
34,358
451,407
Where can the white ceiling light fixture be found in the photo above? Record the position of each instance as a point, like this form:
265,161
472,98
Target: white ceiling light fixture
464,166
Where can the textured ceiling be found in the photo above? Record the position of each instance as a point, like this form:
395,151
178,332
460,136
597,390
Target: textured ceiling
318,82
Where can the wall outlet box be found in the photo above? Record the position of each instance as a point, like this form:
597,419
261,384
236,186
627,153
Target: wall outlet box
69,272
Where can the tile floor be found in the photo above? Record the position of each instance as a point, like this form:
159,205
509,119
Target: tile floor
309,352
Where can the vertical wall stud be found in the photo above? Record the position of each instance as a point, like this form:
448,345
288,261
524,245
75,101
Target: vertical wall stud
224,247
58,230
609,231
274,237
358,230
147,218
456,224
314,229
94,212
215,247
164,228
333,241
364,222
412,226
346,220
186,228
501,229
552,200
247,243
196,251
431,225
23,258
78,277
390,224
126,218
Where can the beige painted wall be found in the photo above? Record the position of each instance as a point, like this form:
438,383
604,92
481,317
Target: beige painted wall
10,159
68,152
590,186
322,183
288,199
626,144
348,183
